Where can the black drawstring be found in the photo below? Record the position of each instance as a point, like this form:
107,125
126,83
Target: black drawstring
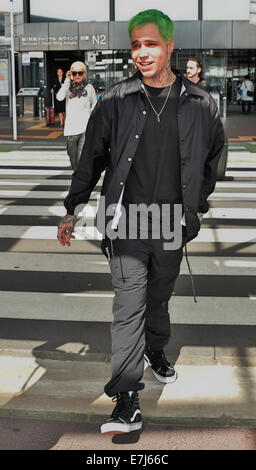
121,265
191,276
186,254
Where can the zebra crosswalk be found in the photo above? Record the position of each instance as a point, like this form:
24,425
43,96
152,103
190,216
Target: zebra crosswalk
42,280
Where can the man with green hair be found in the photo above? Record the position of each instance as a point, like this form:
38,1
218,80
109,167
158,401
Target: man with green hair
158,137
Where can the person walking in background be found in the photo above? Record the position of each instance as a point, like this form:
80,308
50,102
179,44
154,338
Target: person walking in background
158,137
247,89
194,70
80,99
59,105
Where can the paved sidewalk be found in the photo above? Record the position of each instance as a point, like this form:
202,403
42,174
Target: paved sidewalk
220,395
31,434
31,129
239,128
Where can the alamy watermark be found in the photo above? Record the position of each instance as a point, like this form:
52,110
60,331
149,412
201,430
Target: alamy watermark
156,221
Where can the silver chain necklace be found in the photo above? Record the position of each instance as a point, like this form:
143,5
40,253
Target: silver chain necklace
147,95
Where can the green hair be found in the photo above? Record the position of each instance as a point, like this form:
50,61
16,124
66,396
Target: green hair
163,22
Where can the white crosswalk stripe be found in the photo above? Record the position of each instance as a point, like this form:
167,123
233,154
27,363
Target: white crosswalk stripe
41,182
231,213
16,194
21,172
88,233
42,280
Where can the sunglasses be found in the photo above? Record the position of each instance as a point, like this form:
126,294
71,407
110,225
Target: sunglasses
77,73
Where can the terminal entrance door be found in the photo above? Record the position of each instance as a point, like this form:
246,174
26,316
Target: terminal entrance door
215,72
240,63
55,60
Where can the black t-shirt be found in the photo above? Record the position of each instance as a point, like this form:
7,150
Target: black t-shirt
154,176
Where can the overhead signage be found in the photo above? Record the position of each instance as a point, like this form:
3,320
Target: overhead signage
63,42
93,36
91,58
25,58
65,36
28,91
34,43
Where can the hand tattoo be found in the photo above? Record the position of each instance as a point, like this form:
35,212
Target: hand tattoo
65,229
68,220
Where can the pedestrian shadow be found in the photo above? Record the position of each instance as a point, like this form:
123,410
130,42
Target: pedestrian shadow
233,342
129,438
93,338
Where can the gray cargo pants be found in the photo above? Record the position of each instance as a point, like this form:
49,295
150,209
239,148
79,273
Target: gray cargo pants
143,277
74,145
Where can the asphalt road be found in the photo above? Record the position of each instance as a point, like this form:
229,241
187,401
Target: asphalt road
58,301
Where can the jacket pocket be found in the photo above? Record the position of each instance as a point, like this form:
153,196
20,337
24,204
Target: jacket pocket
193,225
106,248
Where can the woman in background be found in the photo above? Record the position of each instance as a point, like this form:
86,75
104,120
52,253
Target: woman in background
80,100
59,105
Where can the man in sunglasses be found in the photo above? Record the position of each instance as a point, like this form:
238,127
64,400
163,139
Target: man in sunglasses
80,100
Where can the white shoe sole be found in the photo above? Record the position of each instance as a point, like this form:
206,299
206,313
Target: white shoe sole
163,380
119,428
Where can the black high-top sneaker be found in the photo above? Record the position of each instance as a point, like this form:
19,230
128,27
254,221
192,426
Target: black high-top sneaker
126,416
162,369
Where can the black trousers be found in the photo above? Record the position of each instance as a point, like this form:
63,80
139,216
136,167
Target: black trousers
143,278
74,145
246,106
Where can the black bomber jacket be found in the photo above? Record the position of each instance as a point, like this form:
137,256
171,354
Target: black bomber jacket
113,133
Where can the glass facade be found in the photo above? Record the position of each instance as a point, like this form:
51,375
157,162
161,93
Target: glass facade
4,83
110,67
33,69
1,24
226,10
225,25
223,69
239,64
177,10
59,10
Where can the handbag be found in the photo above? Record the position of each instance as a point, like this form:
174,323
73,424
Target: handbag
249,92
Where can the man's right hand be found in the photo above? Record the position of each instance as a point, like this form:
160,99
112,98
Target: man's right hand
65,229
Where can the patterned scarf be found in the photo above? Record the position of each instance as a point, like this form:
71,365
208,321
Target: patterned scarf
77,89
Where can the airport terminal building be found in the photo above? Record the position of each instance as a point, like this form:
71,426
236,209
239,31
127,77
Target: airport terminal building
53,34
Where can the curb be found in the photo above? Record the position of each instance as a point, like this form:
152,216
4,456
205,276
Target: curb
213,395
223,421
64,356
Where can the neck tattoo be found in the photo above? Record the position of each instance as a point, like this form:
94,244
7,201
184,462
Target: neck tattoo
166,78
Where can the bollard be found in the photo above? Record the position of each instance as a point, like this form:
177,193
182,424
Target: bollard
224,107
43,108
40,107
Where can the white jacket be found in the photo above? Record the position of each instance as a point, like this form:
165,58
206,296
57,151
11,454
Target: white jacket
78,110
247,85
